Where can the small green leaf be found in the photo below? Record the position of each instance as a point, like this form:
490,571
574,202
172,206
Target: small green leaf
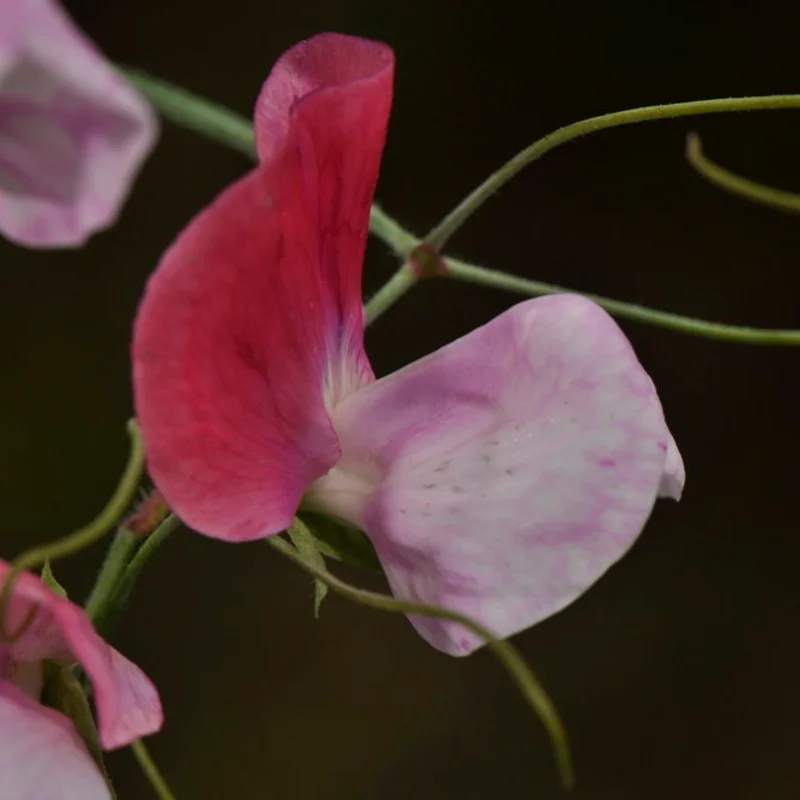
306,545
49,580
343,542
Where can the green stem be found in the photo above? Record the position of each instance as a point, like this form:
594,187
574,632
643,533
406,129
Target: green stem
472,273
441,234
391,232
112,603
80,539
149,547
212,120
403,279
151,771
119,554
389,293
508,655
735,184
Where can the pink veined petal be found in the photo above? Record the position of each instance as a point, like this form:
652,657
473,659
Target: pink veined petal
42,757
251,328
503,474
339,136
127,703
73,132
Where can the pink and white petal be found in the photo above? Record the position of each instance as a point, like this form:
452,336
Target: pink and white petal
503,474
42,755
127,703
73,132
252,326
674,477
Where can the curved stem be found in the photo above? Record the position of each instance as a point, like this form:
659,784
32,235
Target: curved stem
508,655
83,537
735,184
439,235
151,771
472,273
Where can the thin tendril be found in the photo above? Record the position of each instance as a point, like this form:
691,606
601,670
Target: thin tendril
508,655
80,539
440,235
735,184
226,127
151,771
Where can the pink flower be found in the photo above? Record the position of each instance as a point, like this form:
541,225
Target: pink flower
73,133
499,476
41,753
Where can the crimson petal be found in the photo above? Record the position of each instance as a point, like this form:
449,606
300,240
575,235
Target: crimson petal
251,328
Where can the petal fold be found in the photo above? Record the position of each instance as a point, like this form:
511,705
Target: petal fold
251,328
503,474
73,132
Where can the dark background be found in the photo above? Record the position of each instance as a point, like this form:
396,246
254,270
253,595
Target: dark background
677,675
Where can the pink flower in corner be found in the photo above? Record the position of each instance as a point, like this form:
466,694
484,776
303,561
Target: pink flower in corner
499,476
73,133
41,753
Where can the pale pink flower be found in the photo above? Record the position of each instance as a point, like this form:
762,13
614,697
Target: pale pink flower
73,132
41,754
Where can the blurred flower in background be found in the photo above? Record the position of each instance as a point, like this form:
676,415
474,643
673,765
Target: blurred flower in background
45,753
73,132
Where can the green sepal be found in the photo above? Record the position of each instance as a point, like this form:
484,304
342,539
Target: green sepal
302,538
342,542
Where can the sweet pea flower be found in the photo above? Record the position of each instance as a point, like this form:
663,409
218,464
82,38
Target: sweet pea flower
41,753
73,133
499,476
